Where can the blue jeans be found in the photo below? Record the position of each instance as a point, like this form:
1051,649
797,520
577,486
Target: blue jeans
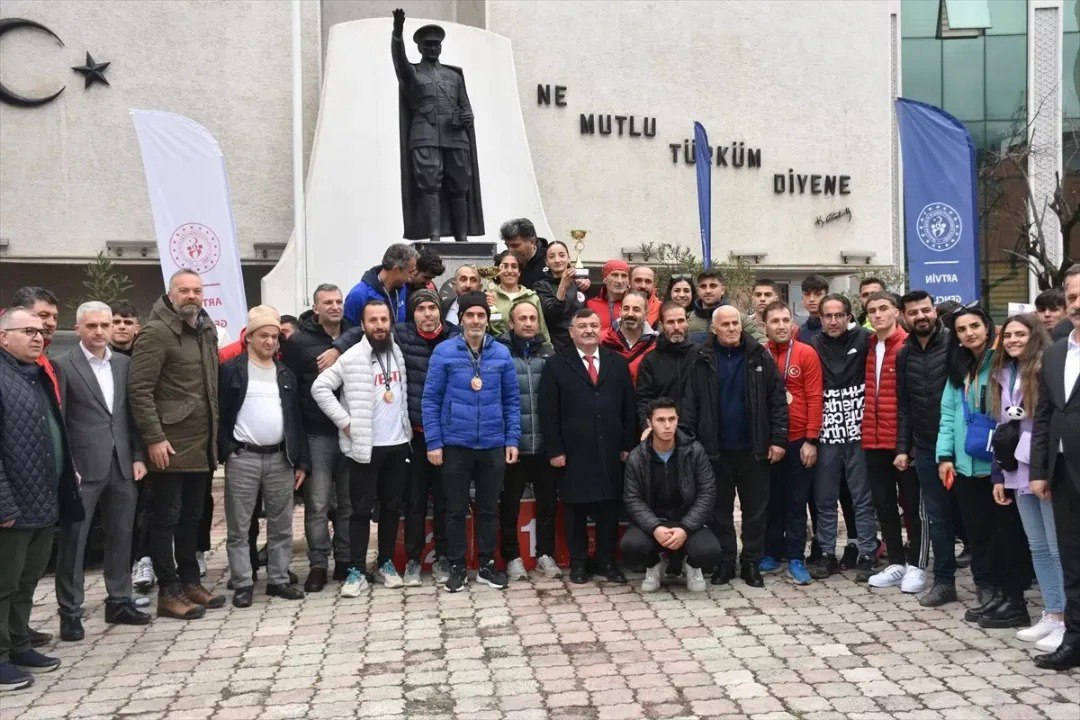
937,505
1038,519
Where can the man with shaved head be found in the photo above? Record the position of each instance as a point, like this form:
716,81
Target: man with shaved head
734,404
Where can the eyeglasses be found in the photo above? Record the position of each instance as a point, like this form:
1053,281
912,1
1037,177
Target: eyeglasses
834,316
30,332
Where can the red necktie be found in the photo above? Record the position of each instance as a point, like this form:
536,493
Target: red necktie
593,375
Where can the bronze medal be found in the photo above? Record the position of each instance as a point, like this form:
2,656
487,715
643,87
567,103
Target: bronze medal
477,384
388,397
789,397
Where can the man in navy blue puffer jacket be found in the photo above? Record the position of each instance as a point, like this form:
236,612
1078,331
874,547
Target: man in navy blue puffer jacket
472,424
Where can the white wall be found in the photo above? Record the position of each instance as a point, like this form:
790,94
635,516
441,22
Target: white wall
71,178
807,82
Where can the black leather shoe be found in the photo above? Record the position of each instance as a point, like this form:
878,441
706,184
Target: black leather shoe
288,592
612,573
1064,658
938,595
316,580
292,578
985,599
752,575
1011,612
341,571
579,575
243,596
71,629
723,574
125,613
39,639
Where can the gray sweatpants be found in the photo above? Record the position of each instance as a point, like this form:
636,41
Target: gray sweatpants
327,487
245,473
845,462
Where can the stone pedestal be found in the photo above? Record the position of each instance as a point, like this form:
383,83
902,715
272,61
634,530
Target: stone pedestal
456,254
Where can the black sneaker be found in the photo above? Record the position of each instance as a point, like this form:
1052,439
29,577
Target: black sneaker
850,559
864,568
815,553
39,639
723,574
459,578
489,575
824,567
938,595
341,571
289,592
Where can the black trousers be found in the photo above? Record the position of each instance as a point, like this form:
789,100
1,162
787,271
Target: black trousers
384,477
1066,502
995,535
605,514
701,549
424,479
461,468
739,471
140,535
884,481
176,507
206,519
790,486
537,470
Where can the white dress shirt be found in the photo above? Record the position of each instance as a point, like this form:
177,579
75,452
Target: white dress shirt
103,372
595,357
1072,370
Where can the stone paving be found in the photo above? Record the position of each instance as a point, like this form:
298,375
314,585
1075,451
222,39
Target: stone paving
544,649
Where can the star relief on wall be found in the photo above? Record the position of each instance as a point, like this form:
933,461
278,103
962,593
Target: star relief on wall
92,71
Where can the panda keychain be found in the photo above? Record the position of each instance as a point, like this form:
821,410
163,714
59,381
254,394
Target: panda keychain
1014,411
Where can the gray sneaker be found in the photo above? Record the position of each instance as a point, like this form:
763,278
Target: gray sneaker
938,595
440,571
412,574
547,565
515,570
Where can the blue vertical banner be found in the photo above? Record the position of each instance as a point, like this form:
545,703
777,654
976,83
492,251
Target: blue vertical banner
703,168
941,218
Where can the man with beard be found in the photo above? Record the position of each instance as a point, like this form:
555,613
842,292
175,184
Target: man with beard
520,238
472,425
733,404
125,326
324,334
588,420
466,280
173,395
373,420
643,280
606,305
921,374
417,340
428,267
662,371
633,338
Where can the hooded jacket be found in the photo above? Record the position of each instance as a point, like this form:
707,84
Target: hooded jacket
697,484
503,304
529,357
417,352
371,287
766,407
301,352
843,372
881,415
613,340
173,387
534,268
921,374
662,373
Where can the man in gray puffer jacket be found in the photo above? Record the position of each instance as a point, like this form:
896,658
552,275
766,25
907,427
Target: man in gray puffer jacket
530,353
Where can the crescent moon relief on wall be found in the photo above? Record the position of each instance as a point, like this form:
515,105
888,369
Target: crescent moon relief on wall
13,98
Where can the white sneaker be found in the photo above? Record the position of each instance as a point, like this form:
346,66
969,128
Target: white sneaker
411,578
515,570
914,580
355,584
654,577
142,574
1039,630
200,558
889,577
1052,642
695,579
547,565
140,601
387,574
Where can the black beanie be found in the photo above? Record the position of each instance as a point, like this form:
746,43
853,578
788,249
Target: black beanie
472,299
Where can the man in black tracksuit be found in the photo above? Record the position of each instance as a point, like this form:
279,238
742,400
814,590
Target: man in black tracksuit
663,371
734,405
417,339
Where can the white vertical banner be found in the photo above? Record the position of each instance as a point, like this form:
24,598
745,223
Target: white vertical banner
193,220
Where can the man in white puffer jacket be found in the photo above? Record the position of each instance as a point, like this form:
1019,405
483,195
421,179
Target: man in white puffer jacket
373,421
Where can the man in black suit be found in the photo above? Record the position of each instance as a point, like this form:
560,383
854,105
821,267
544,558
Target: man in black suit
109,458
1055,465
589,424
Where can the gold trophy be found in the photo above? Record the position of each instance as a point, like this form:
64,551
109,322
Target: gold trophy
579,247
490,273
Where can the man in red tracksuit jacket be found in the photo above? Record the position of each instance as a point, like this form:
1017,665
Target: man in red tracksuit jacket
792,478
879,440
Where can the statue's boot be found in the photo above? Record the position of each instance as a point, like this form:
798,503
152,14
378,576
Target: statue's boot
434,216
459,213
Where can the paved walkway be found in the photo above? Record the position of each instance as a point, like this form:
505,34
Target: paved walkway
544,650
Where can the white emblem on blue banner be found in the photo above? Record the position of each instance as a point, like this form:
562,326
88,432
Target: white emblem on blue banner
939,227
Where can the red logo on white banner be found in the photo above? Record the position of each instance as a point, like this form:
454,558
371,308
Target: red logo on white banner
194,246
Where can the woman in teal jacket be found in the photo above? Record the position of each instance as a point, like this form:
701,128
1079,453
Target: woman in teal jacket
999,581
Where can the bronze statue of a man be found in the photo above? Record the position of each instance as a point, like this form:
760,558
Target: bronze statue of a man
439,175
